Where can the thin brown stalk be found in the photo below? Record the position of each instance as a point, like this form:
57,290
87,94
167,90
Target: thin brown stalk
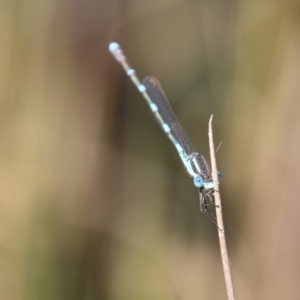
219,215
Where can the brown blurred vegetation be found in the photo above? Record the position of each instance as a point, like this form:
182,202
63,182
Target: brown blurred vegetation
94,201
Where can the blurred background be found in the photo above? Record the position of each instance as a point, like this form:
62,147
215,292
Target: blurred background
94,200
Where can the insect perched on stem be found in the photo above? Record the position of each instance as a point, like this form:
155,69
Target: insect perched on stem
194,162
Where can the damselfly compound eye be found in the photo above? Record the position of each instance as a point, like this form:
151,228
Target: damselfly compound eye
198,181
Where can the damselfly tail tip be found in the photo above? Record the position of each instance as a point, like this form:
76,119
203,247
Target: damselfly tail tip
113,47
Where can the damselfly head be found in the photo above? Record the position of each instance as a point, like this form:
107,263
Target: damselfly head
208,185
